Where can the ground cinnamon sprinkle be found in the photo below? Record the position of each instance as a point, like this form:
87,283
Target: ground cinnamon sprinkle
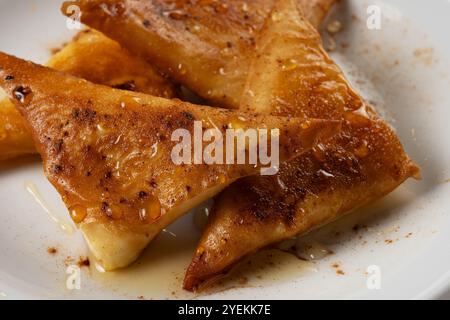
83,262
52,250
339,271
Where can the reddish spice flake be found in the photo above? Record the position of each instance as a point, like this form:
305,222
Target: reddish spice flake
339,271
83,262
52,250
146,23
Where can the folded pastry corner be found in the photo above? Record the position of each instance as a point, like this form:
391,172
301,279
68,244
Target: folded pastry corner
98,59
94,57
292,75
316,11
110,153
206,46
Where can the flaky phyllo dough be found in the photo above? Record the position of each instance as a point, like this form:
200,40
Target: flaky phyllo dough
293,76
205,45
107,148
94,57
109,153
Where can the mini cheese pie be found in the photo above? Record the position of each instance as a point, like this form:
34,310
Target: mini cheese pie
94,57
108,152
205,45
292,75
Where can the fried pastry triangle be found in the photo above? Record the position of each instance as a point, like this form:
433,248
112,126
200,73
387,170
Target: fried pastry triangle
94,57
205,45
108,152
294,76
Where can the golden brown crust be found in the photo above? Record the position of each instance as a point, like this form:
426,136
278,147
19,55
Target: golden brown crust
98,59
108,151
293,75
205,45
94,57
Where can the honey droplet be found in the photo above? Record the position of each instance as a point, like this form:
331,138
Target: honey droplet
357,119
196,28
22,93
362,151
154,150
151,209
331,44
237,123
220,7
182,69
319,153
312,251
277,16
78,213
306,124
222,179
102,130
200,251
176,14
222,72
130,102
334,26
201,217
143,214
290,65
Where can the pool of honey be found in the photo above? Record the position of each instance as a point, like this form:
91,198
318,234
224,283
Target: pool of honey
159,273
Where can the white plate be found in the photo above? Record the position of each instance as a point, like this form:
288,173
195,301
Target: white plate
403,69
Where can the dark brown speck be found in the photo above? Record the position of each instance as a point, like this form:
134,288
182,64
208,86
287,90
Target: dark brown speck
21,93
52,250
142,194
146,23
129,86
